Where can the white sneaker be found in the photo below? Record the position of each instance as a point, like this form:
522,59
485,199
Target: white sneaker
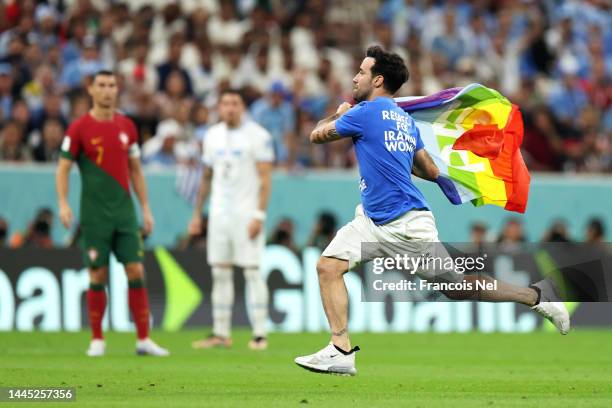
329,360
97,348
556,313
147,347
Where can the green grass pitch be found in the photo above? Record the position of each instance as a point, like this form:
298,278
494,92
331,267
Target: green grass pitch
395,370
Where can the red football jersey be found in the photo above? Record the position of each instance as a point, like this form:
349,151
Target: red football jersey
102,150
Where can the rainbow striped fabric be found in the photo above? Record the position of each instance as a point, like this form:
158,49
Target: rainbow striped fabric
474,135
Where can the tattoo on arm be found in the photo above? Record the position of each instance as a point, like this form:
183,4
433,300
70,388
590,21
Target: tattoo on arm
341,332
325,130
331,133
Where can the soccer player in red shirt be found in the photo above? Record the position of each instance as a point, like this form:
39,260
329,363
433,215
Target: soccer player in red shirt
104,144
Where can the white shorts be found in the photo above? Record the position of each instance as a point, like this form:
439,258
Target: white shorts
228,242
414,232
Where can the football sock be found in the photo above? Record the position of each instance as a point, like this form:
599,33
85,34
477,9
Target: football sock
257,300
222,300
138,302
96,305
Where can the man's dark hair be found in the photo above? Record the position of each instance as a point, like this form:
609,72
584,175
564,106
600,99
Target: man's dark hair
598,227
232,91
327,222
390,65
102,72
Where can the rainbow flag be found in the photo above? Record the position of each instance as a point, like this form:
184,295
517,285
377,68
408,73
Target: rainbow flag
473,135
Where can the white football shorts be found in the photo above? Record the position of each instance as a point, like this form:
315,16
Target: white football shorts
414,233
228,242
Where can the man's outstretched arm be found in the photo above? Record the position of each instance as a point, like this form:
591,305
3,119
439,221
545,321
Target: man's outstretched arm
424,167
325,131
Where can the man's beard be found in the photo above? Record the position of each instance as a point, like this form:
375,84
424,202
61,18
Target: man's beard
363,95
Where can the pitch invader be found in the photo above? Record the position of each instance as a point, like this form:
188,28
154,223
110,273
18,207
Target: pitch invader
238,157
104,144
393,210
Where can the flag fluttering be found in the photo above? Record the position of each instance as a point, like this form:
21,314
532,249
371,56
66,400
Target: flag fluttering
474,136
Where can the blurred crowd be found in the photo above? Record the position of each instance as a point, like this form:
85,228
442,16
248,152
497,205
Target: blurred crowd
294,61
510,234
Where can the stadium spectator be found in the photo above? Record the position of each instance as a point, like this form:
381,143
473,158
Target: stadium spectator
38,234
77,30
21,28
595,231
106,44
76,71
567,99
225,28
43,83
160,151
21,114
450,43
323,231
478,233
12,147
172,66
479,37
52,109
283,234
557,233
598,86
174,94
49,148
202,73
277,116
542,143
136,71
512,235
163,22
145,112
20,70
256,74
46,19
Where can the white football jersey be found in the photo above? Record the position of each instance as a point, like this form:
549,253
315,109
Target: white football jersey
232,154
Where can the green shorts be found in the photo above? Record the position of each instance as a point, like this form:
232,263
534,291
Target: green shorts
99,240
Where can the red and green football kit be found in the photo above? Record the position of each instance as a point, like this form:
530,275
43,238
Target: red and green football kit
102,150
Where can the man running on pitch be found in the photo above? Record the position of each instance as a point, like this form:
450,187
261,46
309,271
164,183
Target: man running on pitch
392,210
104,143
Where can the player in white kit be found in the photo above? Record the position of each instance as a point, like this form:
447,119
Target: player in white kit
238,157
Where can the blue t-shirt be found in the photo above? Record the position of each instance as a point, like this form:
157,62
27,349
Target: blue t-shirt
385,139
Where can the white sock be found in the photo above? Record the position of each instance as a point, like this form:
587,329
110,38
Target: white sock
222,300
257,301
